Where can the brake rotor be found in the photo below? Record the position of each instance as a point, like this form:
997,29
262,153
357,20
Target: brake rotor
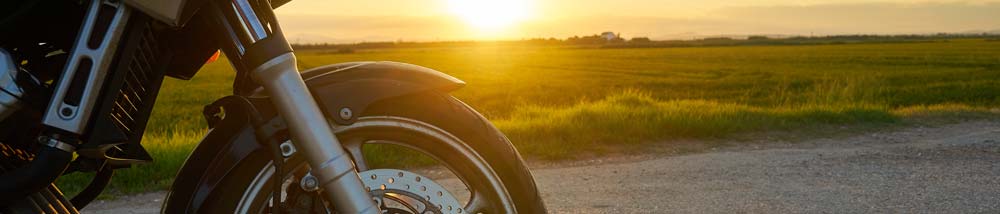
400,191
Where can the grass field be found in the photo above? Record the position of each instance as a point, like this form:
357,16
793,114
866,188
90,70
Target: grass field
558,102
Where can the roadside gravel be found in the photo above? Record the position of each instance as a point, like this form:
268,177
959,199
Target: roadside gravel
947,169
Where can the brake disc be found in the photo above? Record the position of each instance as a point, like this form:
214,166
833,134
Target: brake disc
397,191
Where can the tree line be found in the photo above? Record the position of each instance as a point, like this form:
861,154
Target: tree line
599,41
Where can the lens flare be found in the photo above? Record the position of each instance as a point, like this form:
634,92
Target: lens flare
491,14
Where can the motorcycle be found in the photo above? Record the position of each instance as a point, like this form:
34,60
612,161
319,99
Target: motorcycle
78,80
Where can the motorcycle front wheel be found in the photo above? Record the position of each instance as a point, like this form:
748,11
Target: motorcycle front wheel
490,170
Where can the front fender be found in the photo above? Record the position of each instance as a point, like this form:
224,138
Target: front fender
351,86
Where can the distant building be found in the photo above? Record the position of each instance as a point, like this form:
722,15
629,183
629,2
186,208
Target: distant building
610,36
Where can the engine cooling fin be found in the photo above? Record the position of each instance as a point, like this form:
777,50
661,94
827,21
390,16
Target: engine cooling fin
48,201
128,98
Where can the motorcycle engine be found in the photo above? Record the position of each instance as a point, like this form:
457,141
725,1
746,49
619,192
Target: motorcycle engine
30,59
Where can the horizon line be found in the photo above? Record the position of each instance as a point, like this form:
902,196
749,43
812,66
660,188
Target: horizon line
697,37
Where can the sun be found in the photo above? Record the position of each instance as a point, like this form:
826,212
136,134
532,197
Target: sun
491,14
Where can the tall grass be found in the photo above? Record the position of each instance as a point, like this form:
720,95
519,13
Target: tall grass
633,117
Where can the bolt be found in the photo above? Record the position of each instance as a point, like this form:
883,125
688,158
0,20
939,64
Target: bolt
309,183
66,112
287,149
346,114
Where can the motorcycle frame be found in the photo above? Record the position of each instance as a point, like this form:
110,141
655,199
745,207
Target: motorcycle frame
86,70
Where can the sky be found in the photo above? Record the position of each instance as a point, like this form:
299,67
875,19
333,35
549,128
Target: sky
341,21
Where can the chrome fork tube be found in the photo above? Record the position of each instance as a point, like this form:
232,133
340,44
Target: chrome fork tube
280,78
311,132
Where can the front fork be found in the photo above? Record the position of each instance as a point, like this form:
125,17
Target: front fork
261,51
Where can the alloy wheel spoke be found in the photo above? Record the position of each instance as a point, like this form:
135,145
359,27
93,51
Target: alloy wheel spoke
476,204
353,146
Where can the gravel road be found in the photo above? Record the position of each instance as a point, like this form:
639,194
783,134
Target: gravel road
947,169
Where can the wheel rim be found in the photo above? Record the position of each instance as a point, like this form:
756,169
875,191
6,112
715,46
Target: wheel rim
487,193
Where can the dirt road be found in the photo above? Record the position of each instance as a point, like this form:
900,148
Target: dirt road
948,169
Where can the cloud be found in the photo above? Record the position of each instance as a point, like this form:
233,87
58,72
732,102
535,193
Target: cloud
869,18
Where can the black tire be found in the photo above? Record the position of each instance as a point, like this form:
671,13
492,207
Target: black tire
440,110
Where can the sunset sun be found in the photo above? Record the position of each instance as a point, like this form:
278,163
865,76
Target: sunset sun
491,14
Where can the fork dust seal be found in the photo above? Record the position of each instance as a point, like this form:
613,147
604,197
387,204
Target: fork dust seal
48,165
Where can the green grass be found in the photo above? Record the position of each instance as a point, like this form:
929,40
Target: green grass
633,117
557,103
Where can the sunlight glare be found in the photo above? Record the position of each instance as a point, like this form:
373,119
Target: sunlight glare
490,14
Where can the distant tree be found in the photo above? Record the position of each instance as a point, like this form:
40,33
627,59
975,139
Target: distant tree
717,39
542,41
345,50
757,38
640,40
592,39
